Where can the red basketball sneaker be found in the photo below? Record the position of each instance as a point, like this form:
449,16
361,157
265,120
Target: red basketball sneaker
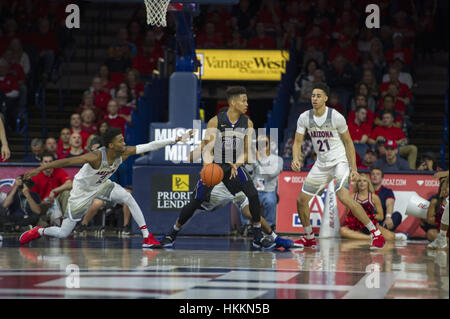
303,242
377,241
151,242
30,235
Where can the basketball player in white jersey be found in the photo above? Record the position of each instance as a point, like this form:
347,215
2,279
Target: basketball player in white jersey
335,160
92,181
441,240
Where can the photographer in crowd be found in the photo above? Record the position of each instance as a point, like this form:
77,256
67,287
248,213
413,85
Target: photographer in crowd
21,206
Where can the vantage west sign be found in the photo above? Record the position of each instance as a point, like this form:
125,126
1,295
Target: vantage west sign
247,65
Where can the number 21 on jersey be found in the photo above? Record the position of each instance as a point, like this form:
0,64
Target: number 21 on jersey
321,145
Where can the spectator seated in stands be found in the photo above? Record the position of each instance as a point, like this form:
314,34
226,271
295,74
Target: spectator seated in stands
9,95
118,62
101,97
369,159
75,127
290,36
134,84
397,75
88,123
368,78
9,32
432,224
399,51
360,130
47,43
122,40
50,182
316,38
403,27
361,101
363,89
245,17
209,39
108,85
306,75
388,106
37,148
114,118
146,60
261,40
345,47
428,162
135,33
397,89
20,55
22,207
237,41
334,103
124,108
63,143
341,78
16,70
76,148
388,132
103,127
88,104
392,162
391,219
307,88
51,146
376,54
270,14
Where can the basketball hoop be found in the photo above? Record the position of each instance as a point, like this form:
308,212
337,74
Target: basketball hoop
157,10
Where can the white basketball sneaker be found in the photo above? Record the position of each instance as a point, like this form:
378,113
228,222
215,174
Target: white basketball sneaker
439,243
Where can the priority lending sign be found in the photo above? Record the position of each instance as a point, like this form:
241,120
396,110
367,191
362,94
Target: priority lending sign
256,65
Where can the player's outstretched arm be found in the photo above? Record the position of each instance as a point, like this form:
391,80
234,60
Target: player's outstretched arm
155,145
351,154
298,159
91,158
210,137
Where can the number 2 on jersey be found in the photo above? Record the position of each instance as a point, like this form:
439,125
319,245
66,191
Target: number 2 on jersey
320,142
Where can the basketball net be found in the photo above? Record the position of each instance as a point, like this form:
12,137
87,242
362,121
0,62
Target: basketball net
329,226
157,10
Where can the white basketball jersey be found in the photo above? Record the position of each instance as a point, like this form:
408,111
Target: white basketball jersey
326,140
91,179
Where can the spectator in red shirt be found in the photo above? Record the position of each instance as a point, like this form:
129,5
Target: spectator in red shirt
50,182
261,40
361,101
270,15
390,132
359,128
346,48
399,51
124,108
108,85
317,38
16,70
404,28
20,55
237,41
290,36
334,103
9,33
63,143
118,62
146,60
114,118
88,122
88,104
388,105
75,127
209,39
294,15
403,91
75,146
101,97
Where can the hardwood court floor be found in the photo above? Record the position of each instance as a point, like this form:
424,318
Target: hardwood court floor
220,268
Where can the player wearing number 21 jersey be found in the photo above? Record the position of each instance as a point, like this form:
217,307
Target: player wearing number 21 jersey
336,160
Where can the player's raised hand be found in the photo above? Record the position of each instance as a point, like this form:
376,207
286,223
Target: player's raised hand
354,175
233,170
186,136
296,165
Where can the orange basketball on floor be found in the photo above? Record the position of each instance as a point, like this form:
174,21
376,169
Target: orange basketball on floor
211,174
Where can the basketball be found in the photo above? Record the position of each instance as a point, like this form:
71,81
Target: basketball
211,174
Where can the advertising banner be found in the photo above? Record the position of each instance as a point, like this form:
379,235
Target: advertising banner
290,184
242,65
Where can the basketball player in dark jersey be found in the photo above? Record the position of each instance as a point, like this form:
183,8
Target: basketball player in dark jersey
226,143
